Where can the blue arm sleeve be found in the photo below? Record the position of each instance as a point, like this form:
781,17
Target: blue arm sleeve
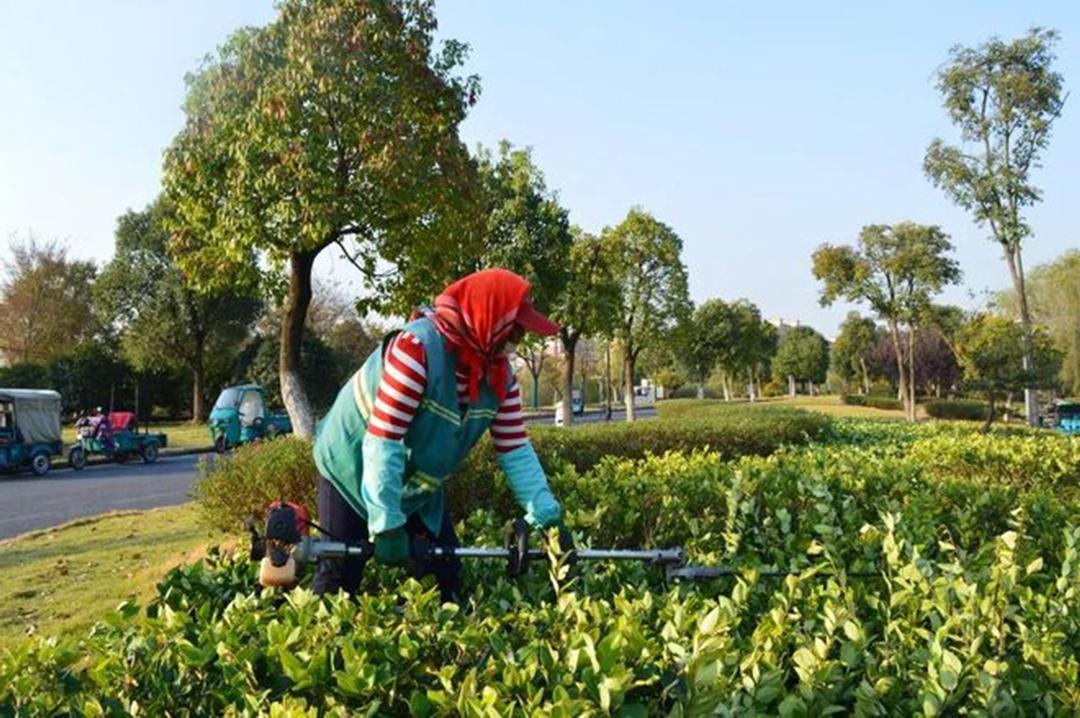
380,488
530,486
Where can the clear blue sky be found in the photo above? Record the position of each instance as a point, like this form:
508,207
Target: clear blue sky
757,131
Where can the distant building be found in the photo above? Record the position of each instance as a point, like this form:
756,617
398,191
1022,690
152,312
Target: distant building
782,327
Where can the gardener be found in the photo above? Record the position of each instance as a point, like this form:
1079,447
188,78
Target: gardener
405,421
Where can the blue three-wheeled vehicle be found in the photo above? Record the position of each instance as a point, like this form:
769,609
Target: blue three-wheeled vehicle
29,429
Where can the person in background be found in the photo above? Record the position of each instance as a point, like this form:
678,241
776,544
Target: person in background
102,428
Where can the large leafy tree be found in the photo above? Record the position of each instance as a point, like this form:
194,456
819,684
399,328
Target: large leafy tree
710,340
162,321
587,305
647,262
335,125
1053,291
1004,97
322,368
45,302
527,231
896,270
853,350
756,344
802,356
936,365
992,354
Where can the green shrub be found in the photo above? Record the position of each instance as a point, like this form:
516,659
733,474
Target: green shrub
1024,460
963,409
682,426
874,401
976,608
232,489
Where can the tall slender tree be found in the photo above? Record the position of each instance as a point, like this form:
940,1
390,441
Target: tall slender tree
587,306
896,270
1004,97
647,261
527,231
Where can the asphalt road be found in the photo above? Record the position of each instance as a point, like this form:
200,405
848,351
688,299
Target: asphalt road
28,503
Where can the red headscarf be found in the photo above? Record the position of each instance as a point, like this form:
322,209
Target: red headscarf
476,314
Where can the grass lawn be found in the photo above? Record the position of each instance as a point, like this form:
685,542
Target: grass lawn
63,579
182,435
832,405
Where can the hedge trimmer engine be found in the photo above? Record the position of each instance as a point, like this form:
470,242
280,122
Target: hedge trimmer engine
286,544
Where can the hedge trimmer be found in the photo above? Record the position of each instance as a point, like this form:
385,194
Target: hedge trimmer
287,544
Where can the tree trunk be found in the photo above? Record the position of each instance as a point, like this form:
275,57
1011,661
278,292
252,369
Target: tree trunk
911,372
791,385
1016,271
197,369
534,387
989,414
196,394
628,367
292,333
701,389
608,386
813,389
865,376
898,347
726,385
569,347
751,386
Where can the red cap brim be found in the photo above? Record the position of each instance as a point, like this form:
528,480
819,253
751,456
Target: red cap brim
534,321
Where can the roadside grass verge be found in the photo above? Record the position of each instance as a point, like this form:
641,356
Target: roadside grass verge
59,581
829,404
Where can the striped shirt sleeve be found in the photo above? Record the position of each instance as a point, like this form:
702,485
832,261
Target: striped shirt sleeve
508,429
401,388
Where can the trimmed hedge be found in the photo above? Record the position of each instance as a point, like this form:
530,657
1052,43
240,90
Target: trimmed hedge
966,409
729,430
974,606
235,489
873,401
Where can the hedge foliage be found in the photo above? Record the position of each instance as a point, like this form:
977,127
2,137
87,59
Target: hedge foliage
976,609
239,487
962,409
874,401
232,489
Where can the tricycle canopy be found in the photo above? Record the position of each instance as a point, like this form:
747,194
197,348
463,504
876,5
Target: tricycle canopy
1068,409
122,420
37,413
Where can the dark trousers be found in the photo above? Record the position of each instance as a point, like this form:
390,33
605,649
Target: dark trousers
339,520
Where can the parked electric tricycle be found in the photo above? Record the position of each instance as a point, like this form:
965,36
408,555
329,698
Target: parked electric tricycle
239,416
29,429
120,441
1065,417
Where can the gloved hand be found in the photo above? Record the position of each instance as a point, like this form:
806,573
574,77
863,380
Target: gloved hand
392,547
566,540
